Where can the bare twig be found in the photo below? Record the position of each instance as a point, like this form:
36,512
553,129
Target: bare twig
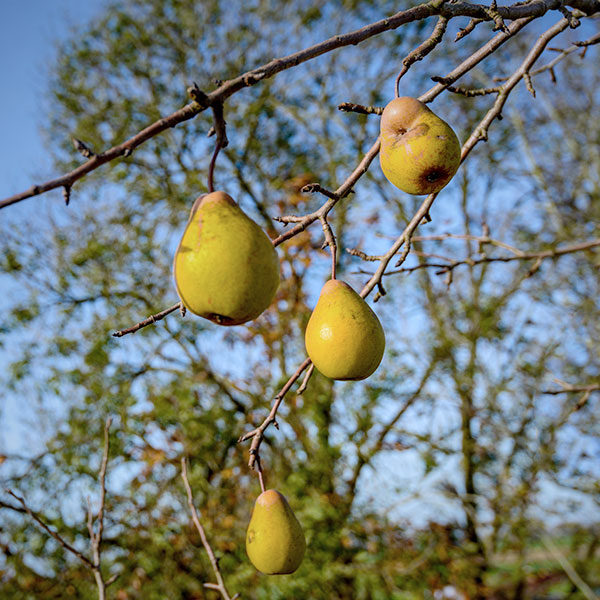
222,142
359,108
150,320
568,389
537,256
84,559
96,537
220,585
257,434
330,242
422,50
305,381
584,390
361,254
567,567
303,222
467,30
470,93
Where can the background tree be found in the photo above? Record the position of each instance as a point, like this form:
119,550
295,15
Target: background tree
444,468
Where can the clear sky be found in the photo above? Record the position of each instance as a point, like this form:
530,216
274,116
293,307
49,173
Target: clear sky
29,33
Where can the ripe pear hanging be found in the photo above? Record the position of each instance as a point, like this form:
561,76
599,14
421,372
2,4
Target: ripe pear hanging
275,543
226,269
344,337
419,151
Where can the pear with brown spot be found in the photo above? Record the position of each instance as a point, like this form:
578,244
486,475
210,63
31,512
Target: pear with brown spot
226,269
275,542
420,152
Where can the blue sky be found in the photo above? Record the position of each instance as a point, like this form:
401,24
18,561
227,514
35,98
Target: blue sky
29,34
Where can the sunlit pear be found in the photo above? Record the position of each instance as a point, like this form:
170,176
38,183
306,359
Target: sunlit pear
419,151
226,269
344,337
275,543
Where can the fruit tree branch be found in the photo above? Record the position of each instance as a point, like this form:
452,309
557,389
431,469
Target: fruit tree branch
258,434
201,101
150,320
84,559
524,256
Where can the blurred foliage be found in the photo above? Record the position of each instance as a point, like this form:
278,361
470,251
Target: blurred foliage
446,468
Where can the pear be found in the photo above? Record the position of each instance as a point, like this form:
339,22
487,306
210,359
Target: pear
274,541
419,151
226,269
344,337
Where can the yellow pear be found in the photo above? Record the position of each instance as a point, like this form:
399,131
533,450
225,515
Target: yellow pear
344,337
419,151
225,267
274,541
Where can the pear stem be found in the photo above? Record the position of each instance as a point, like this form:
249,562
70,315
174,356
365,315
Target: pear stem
261,477
211,168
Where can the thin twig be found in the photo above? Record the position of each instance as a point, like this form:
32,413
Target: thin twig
305,381
258,434
330,242
84,559
538,256
261,477
220,585
573,389
149,321
361,109
422,50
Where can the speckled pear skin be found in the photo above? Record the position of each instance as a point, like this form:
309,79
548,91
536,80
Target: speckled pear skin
344,337
420,152
225,268
275,542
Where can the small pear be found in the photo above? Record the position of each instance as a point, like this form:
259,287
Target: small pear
344,337
419,151
226,269
275,543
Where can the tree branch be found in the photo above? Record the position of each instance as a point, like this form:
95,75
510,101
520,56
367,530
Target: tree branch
150,320
220,585
258,434
201,101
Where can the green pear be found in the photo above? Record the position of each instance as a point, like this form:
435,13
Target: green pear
226,269
274,541
419,151
344,337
